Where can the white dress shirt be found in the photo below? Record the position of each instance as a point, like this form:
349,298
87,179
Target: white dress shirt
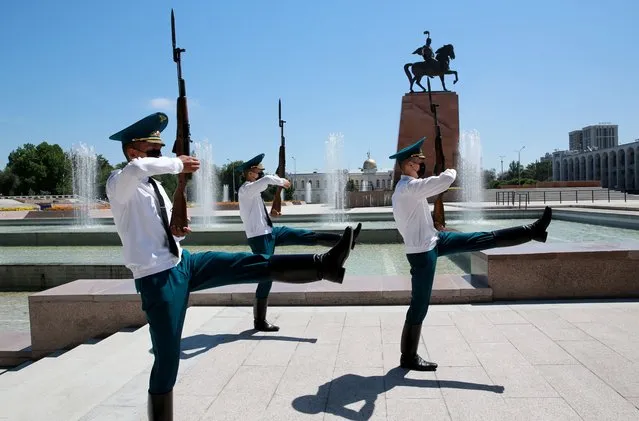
252,205
136,212
411,212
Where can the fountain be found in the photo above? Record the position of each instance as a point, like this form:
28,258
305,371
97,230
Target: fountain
308,192
470,174
336,177
364,186
205,183
84,170
225,193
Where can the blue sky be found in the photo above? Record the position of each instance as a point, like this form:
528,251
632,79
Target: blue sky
529,72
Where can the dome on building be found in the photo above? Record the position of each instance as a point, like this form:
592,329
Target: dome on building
369,164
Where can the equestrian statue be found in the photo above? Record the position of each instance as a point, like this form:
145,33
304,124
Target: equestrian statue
431,66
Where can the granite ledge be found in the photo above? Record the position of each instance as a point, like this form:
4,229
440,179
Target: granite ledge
357,288
533,250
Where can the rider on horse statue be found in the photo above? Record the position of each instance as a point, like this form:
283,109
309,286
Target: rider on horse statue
426,51
437,64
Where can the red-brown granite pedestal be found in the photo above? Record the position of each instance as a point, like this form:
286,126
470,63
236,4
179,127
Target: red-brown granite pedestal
416,121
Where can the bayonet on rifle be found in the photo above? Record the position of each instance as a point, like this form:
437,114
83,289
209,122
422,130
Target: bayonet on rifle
276,208
179,218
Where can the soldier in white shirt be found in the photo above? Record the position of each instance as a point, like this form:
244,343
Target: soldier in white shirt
423,243
165,274
263,237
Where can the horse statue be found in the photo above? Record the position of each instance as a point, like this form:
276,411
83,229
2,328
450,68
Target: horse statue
439,66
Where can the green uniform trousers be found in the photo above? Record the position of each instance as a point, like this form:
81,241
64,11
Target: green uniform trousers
165,297
422,266
281,236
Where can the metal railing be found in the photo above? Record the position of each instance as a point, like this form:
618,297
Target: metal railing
513,198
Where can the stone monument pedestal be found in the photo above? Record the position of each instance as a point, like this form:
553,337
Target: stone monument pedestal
416,121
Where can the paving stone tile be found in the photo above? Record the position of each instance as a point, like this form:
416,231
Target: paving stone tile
362,319
294,409
314,355
588,395
326,333
323,318
535,346
115,413
277,348
505,365
417,409
470,394
499,317
475,327
614,369
307,380
534,409
357,393
246,395
360,347
620,339
554,326
447,347
288,320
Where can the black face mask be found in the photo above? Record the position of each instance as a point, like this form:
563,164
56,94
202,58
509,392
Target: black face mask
422,170
260,174
154,153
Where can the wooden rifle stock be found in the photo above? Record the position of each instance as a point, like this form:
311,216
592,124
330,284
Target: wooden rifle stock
179,217
276,207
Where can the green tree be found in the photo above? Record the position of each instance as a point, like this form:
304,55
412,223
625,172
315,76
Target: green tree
489,176
104,170
38,169
540,171
8,182
226,175
513,171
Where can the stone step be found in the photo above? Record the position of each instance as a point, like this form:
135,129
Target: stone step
85,386
57,363
15,348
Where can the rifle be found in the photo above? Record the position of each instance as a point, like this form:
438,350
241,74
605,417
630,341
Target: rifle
276,207
179,218
439,219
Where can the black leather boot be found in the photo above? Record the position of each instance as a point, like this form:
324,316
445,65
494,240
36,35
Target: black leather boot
160,407
410,341
356,231
305,268
329,239
326,239
518,235
259,316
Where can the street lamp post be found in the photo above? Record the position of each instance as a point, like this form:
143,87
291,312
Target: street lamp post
232,176
294,174
519,163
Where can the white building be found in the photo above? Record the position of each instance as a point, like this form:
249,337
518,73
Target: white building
363,179
616,167
596,136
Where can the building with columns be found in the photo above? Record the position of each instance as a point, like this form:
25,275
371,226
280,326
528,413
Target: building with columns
617,167
366,178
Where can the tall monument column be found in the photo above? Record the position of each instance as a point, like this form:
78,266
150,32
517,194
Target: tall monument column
416,121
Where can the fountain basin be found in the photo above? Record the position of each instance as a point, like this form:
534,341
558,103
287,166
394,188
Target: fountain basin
378,227
72,313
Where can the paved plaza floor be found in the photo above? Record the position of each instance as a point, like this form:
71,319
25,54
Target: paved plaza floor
537,361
